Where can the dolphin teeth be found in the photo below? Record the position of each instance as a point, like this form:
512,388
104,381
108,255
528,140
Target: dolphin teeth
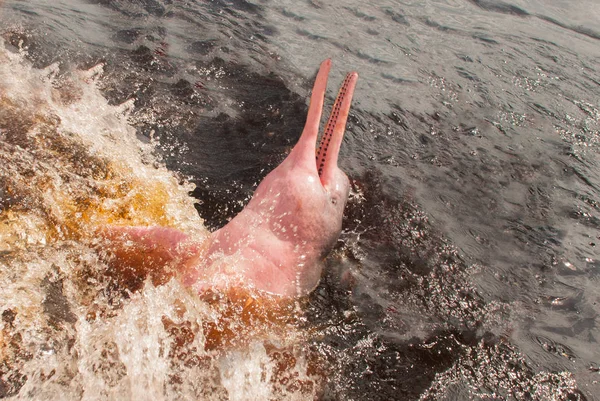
331,123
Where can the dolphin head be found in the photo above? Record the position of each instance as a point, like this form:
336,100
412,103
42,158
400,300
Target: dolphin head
295,215
321,167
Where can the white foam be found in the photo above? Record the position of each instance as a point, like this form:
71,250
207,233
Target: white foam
72,338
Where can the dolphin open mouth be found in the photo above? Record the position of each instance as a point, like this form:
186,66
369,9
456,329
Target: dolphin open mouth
331,141
329,146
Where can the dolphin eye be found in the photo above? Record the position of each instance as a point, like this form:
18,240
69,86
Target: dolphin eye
334,201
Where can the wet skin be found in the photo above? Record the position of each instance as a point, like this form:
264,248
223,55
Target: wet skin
277,242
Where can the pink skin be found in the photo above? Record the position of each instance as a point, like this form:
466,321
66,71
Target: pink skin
277,243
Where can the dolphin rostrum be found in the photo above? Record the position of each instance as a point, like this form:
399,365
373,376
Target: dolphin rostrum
276,244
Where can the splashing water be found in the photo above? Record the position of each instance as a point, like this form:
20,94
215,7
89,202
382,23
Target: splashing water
70,163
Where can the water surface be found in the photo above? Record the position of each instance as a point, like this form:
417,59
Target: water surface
467,268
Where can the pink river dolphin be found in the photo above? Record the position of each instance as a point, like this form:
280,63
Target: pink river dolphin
277,243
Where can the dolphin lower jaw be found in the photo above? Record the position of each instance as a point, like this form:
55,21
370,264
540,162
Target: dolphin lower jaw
330,143
329,146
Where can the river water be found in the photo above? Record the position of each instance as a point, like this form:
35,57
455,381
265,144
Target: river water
468,263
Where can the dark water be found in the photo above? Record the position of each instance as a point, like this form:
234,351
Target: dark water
467,268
